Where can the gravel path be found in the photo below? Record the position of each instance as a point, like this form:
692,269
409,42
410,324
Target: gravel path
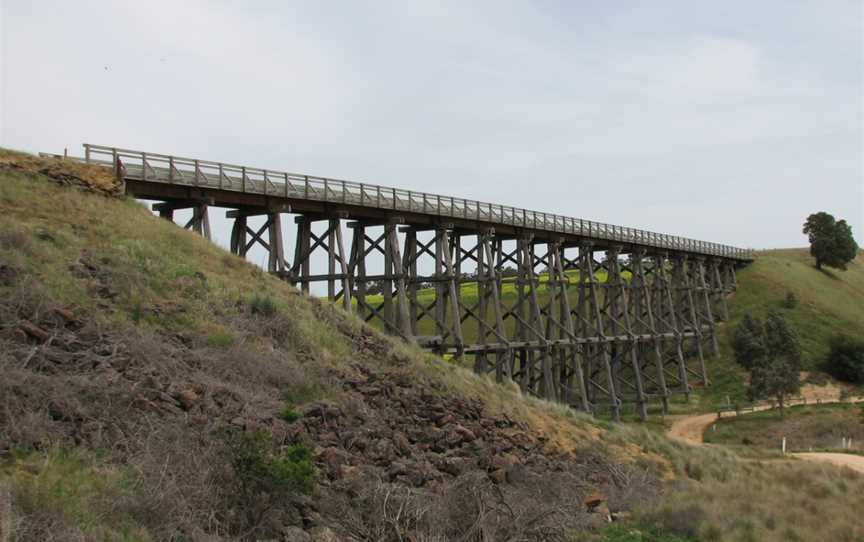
690,430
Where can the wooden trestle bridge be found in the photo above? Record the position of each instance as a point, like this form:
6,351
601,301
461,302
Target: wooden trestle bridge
620,316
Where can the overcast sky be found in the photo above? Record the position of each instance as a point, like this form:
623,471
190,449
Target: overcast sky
720,120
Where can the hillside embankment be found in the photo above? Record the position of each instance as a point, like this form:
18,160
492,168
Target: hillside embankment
156,387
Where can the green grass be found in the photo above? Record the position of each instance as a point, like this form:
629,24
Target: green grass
805,427
623,533
76,490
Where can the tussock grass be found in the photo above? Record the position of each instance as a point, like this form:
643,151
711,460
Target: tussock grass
765,501
66,495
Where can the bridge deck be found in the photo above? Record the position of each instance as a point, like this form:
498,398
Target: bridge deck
368,201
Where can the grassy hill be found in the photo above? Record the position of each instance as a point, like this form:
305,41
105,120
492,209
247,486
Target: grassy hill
829,302
155,387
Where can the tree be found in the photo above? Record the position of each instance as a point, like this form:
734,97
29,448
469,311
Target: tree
846,359
748,341
775,373
831,241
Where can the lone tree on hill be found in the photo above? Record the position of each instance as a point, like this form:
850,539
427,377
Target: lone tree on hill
770,350
831,241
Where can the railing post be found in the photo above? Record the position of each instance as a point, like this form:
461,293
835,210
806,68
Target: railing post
143,165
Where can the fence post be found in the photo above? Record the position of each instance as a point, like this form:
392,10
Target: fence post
784,445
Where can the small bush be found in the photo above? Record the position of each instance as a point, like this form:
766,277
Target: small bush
791,301
289,414
262,469
220,339
304,392
263,305
846,359
265,477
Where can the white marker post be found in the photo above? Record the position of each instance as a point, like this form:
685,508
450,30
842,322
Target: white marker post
783,446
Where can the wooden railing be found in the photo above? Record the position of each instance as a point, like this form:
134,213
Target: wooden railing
154,167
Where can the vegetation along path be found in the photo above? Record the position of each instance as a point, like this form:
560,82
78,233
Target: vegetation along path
691,429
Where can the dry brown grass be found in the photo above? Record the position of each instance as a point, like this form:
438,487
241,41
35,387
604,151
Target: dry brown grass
92,178
767,501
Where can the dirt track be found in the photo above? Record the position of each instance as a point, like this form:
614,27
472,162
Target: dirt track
855,462
690,429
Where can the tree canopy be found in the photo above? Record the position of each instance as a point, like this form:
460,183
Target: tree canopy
846,359
831,241
772,353
748,341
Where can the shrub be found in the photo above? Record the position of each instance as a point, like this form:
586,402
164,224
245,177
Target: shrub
263,305
265,477
220,339
846,359
289,414
791,300
262,469
300,393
